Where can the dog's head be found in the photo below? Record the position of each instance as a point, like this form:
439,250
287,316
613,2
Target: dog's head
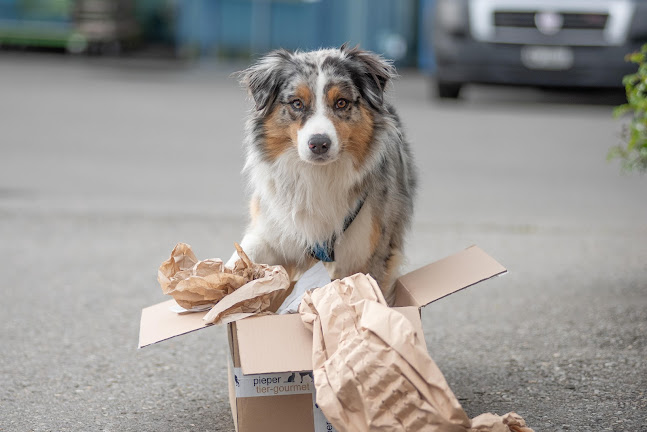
321,104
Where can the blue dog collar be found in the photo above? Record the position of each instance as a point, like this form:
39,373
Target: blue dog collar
323,252
326,251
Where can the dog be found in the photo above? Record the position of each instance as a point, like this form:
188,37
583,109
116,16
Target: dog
330,173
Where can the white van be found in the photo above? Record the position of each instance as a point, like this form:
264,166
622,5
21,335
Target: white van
549,43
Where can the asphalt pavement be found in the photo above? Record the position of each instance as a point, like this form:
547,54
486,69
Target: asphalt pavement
106,164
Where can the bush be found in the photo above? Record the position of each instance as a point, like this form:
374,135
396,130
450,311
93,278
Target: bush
633,153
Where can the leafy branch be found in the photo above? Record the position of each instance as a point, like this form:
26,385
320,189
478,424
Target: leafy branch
633,153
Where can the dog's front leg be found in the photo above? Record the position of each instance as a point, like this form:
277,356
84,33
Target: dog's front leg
257,249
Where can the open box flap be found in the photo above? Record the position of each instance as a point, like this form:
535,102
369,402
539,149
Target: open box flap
281,343
418,288
446,276
159,323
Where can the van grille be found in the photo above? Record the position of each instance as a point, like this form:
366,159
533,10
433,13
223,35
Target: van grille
577,21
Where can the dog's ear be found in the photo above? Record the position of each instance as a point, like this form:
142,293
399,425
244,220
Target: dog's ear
371,74
263,80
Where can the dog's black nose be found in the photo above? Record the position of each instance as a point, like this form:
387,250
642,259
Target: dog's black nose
319,143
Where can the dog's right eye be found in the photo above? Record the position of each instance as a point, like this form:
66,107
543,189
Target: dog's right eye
297,104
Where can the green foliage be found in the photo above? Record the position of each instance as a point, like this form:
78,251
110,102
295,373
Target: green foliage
633,153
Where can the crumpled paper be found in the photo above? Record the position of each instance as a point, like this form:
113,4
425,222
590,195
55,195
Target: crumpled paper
252,298
192,282
245,290
372,371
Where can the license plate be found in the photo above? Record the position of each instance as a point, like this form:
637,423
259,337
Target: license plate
547,58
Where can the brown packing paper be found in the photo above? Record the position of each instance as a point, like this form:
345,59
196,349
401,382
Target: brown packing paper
192,282
494,423
247,289
252,298
363,384
341,298
372,370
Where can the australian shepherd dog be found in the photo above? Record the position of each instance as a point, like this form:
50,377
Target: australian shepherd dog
330,173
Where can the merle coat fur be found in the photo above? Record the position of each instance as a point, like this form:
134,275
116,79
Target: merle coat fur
301,200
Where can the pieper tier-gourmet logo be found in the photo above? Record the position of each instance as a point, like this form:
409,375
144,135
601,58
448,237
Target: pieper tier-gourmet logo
289,383
275,386
278,384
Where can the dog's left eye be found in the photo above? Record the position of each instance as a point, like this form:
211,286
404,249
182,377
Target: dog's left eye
341,103
297,104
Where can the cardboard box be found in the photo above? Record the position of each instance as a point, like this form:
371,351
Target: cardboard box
270,378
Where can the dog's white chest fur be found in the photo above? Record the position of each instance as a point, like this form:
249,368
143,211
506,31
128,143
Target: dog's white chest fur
303,204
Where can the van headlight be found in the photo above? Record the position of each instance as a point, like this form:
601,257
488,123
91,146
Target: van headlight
638,29
451,16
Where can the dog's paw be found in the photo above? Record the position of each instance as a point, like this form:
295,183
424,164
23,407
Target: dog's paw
232,261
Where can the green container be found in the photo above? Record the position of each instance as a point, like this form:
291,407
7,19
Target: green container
43,23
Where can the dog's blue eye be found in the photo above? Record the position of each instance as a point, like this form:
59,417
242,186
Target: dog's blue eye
297,104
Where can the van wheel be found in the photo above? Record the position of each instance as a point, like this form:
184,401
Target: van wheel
445,90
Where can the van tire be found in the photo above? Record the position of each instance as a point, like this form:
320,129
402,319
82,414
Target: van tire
448,90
